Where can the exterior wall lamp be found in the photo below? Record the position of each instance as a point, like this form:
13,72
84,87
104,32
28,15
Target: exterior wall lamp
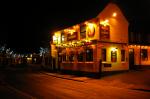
114,49
105,23
114,14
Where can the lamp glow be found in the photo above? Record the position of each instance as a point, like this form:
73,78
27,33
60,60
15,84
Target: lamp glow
114,49
114,14
106,22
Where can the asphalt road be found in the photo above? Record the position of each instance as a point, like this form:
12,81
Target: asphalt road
29,84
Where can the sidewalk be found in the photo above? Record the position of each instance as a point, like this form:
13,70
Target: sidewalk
135,80
67,76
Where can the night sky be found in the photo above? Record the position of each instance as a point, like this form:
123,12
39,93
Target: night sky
27,25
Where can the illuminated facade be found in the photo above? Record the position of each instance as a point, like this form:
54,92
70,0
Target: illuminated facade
99,44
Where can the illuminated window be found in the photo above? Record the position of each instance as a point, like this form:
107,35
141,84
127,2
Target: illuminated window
71,57
64,57
122,55
103,54
63,38
83,31
89,54
144,54
80,57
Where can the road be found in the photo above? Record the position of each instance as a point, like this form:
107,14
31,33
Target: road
38,85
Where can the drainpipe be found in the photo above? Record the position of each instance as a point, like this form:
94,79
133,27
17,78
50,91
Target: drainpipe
140,59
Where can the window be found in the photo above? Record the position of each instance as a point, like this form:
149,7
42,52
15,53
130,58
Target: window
64,57
82,31
122,55
71,57
80,57
89,54
103,54
144,54
63,38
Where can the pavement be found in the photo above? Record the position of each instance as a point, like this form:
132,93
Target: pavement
135,80
67,76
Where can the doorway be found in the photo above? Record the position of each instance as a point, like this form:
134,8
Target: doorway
131,59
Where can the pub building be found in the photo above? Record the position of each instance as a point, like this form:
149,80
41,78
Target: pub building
93,46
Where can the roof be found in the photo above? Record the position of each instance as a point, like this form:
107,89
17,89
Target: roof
82,16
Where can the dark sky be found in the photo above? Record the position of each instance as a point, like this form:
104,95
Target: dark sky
27,25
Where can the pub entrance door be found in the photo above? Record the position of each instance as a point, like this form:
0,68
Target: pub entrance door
131,59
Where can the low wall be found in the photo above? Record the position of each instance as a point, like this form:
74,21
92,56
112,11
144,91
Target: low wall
79,66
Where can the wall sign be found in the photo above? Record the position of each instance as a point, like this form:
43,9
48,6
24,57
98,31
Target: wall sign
104,32
73,36
91,31
107,65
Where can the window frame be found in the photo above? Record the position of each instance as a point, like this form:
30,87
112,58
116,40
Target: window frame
90,57
144,54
